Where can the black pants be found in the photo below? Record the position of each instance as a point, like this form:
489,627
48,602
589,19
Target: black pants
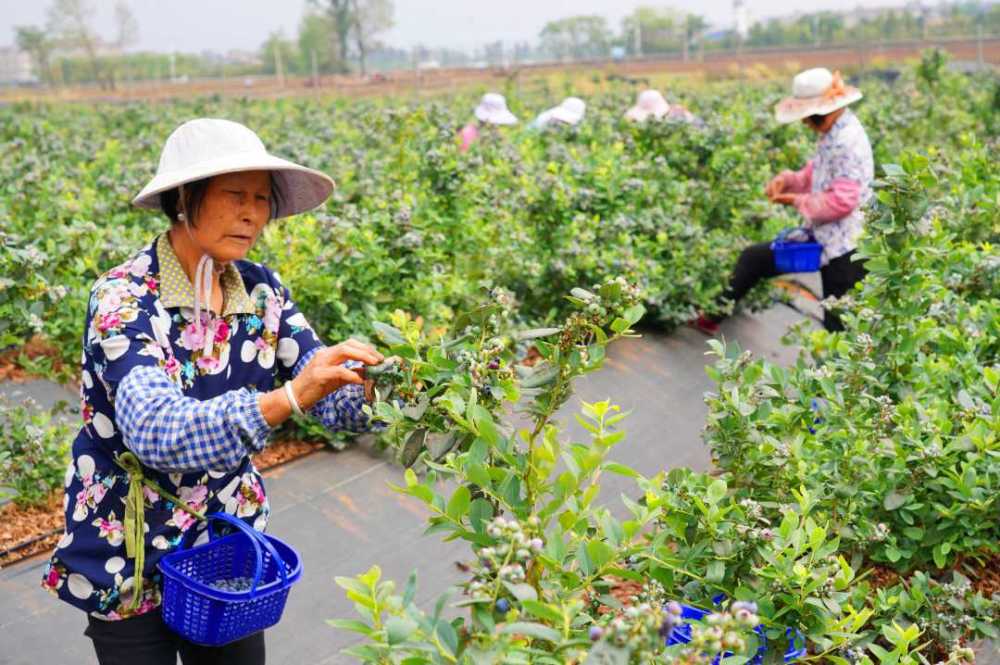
756,262
146,639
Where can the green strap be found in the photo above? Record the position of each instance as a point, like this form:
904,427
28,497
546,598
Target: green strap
135,517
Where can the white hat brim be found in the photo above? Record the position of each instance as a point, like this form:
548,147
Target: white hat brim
300,189
791,109
637,114
504,117
564,115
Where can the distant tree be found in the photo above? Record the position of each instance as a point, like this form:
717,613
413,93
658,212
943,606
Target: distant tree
369,18
69,21
694,25
317,35
127,26
576,36
36,43
658,29
277,49
339,14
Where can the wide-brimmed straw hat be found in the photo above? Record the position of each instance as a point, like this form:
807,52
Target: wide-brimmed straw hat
209,146
815,92
492,109
649,104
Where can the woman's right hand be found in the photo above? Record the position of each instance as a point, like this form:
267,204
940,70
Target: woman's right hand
775,187
325,373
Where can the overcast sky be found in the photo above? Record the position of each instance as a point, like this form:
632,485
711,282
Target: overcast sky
220,25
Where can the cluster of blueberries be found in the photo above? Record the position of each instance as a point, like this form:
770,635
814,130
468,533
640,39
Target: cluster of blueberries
233,584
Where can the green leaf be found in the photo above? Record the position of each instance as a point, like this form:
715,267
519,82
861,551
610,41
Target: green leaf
717,491
715,571
535,630
446,632
411,589
621,469
542,611
987,629
522,591
894,500
940,558
458,505
399,629
388,334
599,553
536,333
352,625
480,513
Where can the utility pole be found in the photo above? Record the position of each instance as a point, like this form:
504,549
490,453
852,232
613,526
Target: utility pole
979,43
278,68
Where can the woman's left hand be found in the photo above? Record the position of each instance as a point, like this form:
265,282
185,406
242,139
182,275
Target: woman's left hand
784,199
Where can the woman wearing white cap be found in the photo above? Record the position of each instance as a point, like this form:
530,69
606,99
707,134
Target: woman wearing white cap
829,191
184,343
491,110
651,105
569,112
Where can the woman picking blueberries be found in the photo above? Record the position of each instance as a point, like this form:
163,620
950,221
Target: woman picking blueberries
829,191
183,346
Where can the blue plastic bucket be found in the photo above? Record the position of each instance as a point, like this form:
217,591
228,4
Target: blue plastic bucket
796,256
682,635
201,613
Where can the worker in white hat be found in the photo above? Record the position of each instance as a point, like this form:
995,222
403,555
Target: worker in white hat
491,110
829,192
651,105
184,345
569,112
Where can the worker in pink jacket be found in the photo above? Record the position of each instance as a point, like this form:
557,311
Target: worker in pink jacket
829,191
492,110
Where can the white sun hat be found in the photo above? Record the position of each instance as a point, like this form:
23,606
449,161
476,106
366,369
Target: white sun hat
649,103
570,111
815,92
492,109
208,147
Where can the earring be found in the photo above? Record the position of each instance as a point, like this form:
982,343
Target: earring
181,217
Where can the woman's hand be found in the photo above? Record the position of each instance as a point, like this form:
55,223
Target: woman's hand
784,199
775,187
326,373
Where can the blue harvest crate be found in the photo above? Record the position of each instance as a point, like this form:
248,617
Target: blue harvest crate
201,613
689,613
792,256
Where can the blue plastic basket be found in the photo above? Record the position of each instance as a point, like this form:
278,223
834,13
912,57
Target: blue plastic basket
796,256
212,617
682,635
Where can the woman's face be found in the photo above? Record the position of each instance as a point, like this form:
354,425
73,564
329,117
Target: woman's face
232,214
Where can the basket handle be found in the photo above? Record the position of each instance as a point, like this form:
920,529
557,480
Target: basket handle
258,540
784,234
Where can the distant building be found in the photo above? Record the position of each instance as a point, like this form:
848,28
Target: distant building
15,67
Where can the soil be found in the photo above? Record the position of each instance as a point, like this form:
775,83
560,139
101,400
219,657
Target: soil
25,532
35,348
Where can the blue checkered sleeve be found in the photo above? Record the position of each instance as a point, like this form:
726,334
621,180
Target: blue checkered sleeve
341,410
171,432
